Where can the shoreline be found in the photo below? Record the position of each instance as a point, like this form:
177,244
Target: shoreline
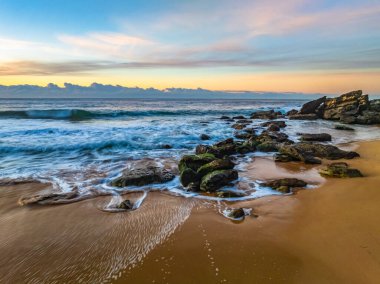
293,237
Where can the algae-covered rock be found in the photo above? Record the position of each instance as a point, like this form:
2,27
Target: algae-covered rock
340,170
268,147
194,162
143,176
217,179
306,152
229,194
188,176
285,185
219,164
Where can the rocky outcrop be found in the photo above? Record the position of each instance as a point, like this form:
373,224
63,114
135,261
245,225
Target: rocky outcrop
307,153
285,185
321,137
350,108
340,170
313,107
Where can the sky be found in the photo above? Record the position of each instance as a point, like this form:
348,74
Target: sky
258,45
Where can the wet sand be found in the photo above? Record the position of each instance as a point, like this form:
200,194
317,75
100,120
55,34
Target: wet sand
325,235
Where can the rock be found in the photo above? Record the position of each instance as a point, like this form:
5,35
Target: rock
125,205
346,107
229,194
224,148
236,213
219,164
238,126
367,117
270,114
291,112
239,117
242,135
321,137
250,130
282,158
188,176
313,107
279,123
268,147
310,116
306,152
285,184
343,127
340,170
273,127
374,105
193,187
194,162
225,117
217,179
143,175
167,146
50,198
244,121
205,137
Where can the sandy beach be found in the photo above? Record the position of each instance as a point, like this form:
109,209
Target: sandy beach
327,234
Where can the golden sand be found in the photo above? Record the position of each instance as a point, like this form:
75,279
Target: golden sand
329,234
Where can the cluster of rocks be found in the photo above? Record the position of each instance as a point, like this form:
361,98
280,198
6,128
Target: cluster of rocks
211,167
350,108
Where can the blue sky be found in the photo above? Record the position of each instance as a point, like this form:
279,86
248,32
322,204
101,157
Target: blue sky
310,46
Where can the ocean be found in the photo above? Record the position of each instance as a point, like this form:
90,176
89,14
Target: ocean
84,144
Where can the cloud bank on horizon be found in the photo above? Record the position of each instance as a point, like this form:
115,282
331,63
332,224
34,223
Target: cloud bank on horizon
290,45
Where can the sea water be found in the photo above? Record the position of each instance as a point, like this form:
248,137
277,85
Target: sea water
83,144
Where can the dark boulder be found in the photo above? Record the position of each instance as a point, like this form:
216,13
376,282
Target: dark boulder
229,194
270,114
285,185
239,117
224,117
343,127
242,135
217,179
313,107
340,170
239,126
279,123
292,112
188,176
321,137
236,213
273,127
205,137
143,175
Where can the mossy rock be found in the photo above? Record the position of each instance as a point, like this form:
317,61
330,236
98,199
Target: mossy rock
285,185
219,164
340,170
188,176
194,162
267,147
217,179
